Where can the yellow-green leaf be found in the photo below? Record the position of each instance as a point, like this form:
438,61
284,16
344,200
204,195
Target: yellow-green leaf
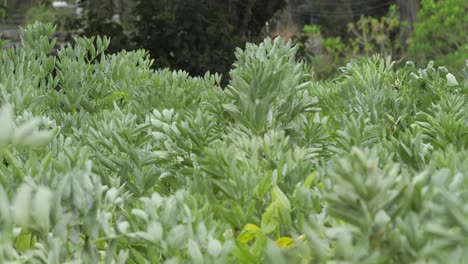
310,179
278,195
249,232
285,242
270,217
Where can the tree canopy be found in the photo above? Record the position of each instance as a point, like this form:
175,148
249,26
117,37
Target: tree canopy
200,35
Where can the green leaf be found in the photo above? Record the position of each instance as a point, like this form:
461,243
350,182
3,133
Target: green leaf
285,242
451,80
22,205
308,182
194,252
249,232
41,207
270,217
215,247
278,195
4,206
8,125
24,242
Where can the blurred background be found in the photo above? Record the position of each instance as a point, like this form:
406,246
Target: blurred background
202,35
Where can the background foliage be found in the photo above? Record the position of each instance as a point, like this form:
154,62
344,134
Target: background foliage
201,36
195,36
365,37
105,160
441,33
334,15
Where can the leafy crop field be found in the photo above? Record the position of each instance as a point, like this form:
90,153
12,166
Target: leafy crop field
105,160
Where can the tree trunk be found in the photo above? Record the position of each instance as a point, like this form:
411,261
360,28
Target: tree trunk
117,11
408,11
247,17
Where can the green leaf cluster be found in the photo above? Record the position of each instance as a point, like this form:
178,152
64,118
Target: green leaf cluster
105,160
441,33
365,37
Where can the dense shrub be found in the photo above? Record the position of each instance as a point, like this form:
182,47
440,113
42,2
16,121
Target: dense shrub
106,160
96,19
195,36
365,37
441,33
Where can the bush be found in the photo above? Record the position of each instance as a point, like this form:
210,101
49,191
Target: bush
96,19
105,160
440,33
195,36
41,14
366,37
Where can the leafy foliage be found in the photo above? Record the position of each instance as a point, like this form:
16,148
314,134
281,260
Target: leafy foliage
441,33
105,160
365,37
194,36
200,36
96,19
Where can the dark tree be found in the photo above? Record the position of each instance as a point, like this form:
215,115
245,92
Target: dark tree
104,17
200,35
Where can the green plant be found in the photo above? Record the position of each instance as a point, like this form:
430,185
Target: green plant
106,160
367,36
441,33
311,29
3,11
41,14
378,36
44,12
97,19
200,36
